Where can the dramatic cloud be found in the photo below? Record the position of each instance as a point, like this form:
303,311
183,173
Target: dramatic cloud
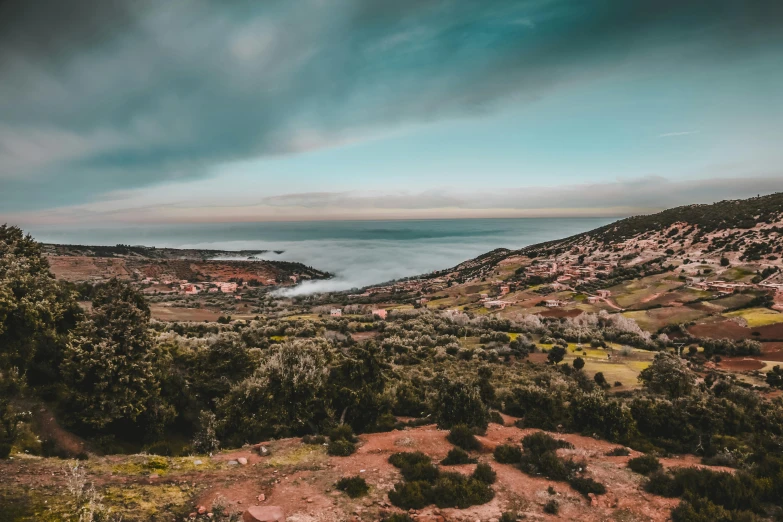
102,95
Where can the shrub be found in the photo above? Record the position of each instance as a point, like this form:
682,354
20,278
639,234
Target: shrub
340,448
314,439
411,495
540,442
586,485
551,507
415,466
462,436
457,490
457,456
619,451
733,491
508,516
496,418
697,509
579,363
644,464
354,487
343,432
507,454
460,403
485,473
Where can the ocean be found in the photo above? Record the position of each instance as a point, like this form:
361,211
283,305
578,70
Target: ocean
359,253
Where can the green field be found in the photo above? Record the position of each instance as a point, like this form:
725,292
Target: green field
756,317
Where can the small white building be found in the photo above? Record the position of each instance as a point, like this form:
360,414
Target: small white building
592,299
380,313
603,293
336,312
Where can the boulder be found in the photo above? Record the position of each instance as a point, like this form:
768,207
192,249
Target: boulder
264,514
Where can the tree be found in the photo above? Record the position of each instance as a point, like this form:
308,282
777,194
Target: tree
287,395
579,363
111,363
556,354
724,261
668,375
35,311
775,377
459,403
599,379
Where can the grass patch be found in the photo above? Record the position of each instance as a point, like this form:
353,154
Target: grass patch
756,317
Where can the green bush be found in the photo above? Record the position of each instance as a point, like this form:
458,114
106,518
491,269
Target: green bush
343,432
619,451
460,403
354,487
540,442
508,516
457,490
457,456
697,509
586,485
462,436
645,464
485,473
340,448
411,495
508,454
732,491
415,466
551,507
314,439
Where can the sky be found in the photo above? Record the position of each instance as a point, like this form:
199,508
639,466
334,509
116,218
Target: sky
133,112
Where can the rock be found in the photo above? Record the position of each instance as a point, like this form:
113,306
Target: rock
261,497
593,500
197,462
153,475
264,514
201,510
232,463
242,460
309,501
192,515
263,451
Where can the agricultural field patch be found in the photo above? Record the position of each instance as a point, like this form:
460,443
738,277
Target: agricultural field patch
755,317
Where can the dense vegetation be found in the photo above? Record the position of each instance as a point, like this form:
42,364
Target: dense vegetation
130,384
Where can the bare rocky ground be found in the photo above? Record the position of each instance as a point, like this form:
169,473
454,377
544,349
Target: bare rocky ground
300,478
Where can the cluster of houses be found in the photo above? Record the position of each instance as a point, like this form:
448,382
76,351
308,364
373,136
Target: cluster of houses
571,274
377,312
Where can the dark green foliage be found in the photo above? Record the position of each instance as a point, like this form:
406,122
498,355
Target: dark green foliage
112,367
354,487
593,413
507,454
460,403
414,466
36,312
579,363
645,464
411,495
599,379
508,516
537,406
484,473
343,432
618,452
551,507
426,485
733,491
586,485
463,437
314,439
697,509
556,354
341,448
457,456
539,442
775,377
668,375
496,418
